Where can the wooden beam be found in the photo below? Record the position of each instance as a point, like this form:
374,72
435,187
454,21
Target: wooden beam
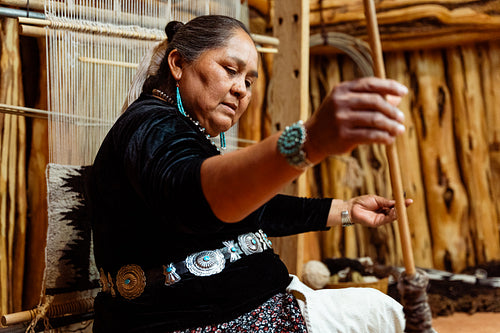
33,4
289,93
413,24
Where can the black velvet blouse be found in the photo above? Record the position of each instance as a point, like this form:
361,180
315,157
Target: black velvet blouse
147,208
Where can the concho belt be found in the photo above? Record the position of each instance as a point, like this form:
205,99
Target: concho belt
131,280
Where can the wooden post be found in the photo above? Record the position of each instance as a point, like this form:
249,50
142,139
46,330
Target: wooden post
447,202
490,73
37,190
289,95
472,149
4,256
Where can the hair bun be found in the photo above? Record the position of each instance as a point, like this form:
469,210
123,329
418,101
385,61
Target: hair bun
172,28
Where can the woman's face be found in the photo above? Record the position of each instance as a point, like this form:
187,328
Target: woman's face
217,87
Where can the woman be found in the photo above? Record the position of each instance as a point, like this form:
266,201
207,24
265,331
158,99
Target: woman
179,229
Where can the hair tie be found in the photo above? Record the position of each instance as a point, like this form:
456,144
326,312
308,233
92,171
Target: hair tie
172,28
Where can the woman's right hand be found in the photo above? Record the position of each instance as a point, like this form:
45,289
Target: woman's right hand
355,112
361,111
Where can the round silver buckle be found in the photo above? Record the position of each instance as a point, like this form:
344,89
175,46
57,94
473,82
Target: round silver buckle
206,263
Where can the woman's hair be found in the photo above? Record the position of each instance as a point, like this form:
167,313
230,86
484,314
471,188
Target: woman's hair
201,34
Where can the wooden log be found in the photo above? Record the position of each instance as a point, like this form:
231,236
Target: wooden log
4,255
472,147
413,24
408,152
11,204
18,317
490,74
8,159
447,203
69,308
13,182
17,161
37,189
19,253
33,4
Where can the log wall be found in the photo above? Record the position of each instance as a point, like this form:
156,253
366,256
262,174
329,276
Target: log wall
448,156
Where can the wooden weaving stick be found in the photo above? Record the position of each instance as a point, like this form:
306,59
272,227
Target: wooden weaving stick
392,154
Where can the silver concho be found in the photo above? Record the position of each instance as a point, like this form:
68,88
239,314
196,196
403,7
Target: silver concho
206,263
249,243
130,281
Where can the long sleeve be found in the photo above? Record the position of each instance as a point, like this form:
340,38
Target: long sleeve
287,215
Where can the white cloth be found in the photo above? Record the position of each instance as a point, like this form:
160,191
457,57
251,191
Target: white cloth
349,310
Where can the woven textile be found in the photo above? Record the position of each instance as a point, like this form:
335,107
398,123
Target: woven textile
71,279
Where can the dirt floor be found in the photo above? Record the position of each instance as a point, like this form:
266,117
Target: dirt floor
459,322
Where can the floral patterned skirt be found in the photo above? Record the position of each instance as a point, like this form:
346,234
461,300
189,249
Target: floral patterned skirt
280,313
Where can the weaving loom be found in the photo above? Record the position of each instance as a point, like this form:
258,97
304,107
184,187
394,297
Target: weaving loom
93,51
89,75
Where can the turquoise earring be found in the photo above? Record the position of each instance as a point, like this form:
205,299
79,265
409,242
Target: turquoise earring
222,137
179,101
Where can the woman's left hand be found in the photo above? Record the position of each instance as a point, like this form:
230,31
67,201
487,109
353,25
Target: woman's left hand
373,210
367,210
